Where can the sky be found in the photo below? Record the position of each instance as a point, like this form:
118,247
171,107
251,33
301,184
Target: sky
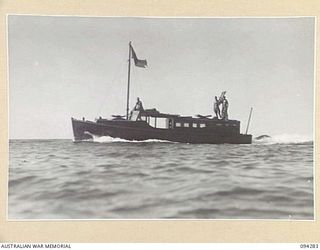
63,67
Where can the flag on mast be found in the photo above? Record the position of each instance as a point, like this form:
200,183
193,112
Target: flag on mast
138,62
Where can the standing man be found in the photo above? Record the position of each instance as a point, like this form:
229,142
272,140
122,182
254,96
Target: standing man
225,105
138,106
216,107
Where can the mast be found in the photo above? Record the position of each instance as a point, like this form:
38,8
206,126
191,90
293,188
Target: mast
128,88
249,121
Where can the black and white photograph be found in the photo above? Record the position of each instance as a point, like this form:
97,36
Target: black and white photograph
171,118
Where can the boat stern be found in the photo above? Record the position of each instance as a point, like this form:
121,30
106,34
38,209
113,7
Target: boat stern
245,139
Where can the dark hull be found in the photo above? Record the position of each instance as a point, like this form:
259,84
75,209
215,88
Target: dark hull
141,130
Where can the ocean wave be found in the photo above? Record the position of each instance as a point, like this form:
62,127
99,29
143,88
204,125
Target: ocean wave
284,139
171,181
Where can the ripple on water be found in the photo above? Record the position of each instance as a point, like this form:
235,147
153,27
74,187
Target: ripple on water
60,179
23,180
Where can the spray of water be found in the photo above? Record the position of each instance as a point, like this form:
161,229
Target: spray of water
275,139
108,139
285,139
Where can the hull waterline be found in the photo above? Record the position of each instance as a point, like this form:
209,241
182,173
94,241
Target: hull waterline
141,130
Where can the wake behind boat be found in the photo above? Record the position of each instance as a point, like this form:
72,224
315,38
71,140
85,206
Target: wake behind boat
144,124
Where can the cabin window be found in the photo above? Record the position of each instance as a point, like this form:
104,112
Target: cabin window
158,122
186,125
134,115
219,124
234,125
202,125
178,124
194,125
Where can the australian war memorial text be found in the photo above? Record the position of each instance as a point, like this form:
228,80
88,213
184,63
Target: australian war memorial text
35,246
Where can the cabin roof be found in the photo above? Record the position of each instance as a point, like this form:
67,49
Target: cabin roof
155,113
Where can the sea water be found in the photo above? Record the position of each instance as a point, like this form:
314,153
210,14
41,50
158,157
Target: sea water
117,179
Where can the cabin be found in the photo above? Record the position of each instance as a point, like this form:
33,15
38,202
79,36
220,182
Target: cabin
159,120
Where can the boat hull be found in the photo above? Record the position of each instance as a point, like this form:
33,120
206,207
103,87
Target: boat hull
141,131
